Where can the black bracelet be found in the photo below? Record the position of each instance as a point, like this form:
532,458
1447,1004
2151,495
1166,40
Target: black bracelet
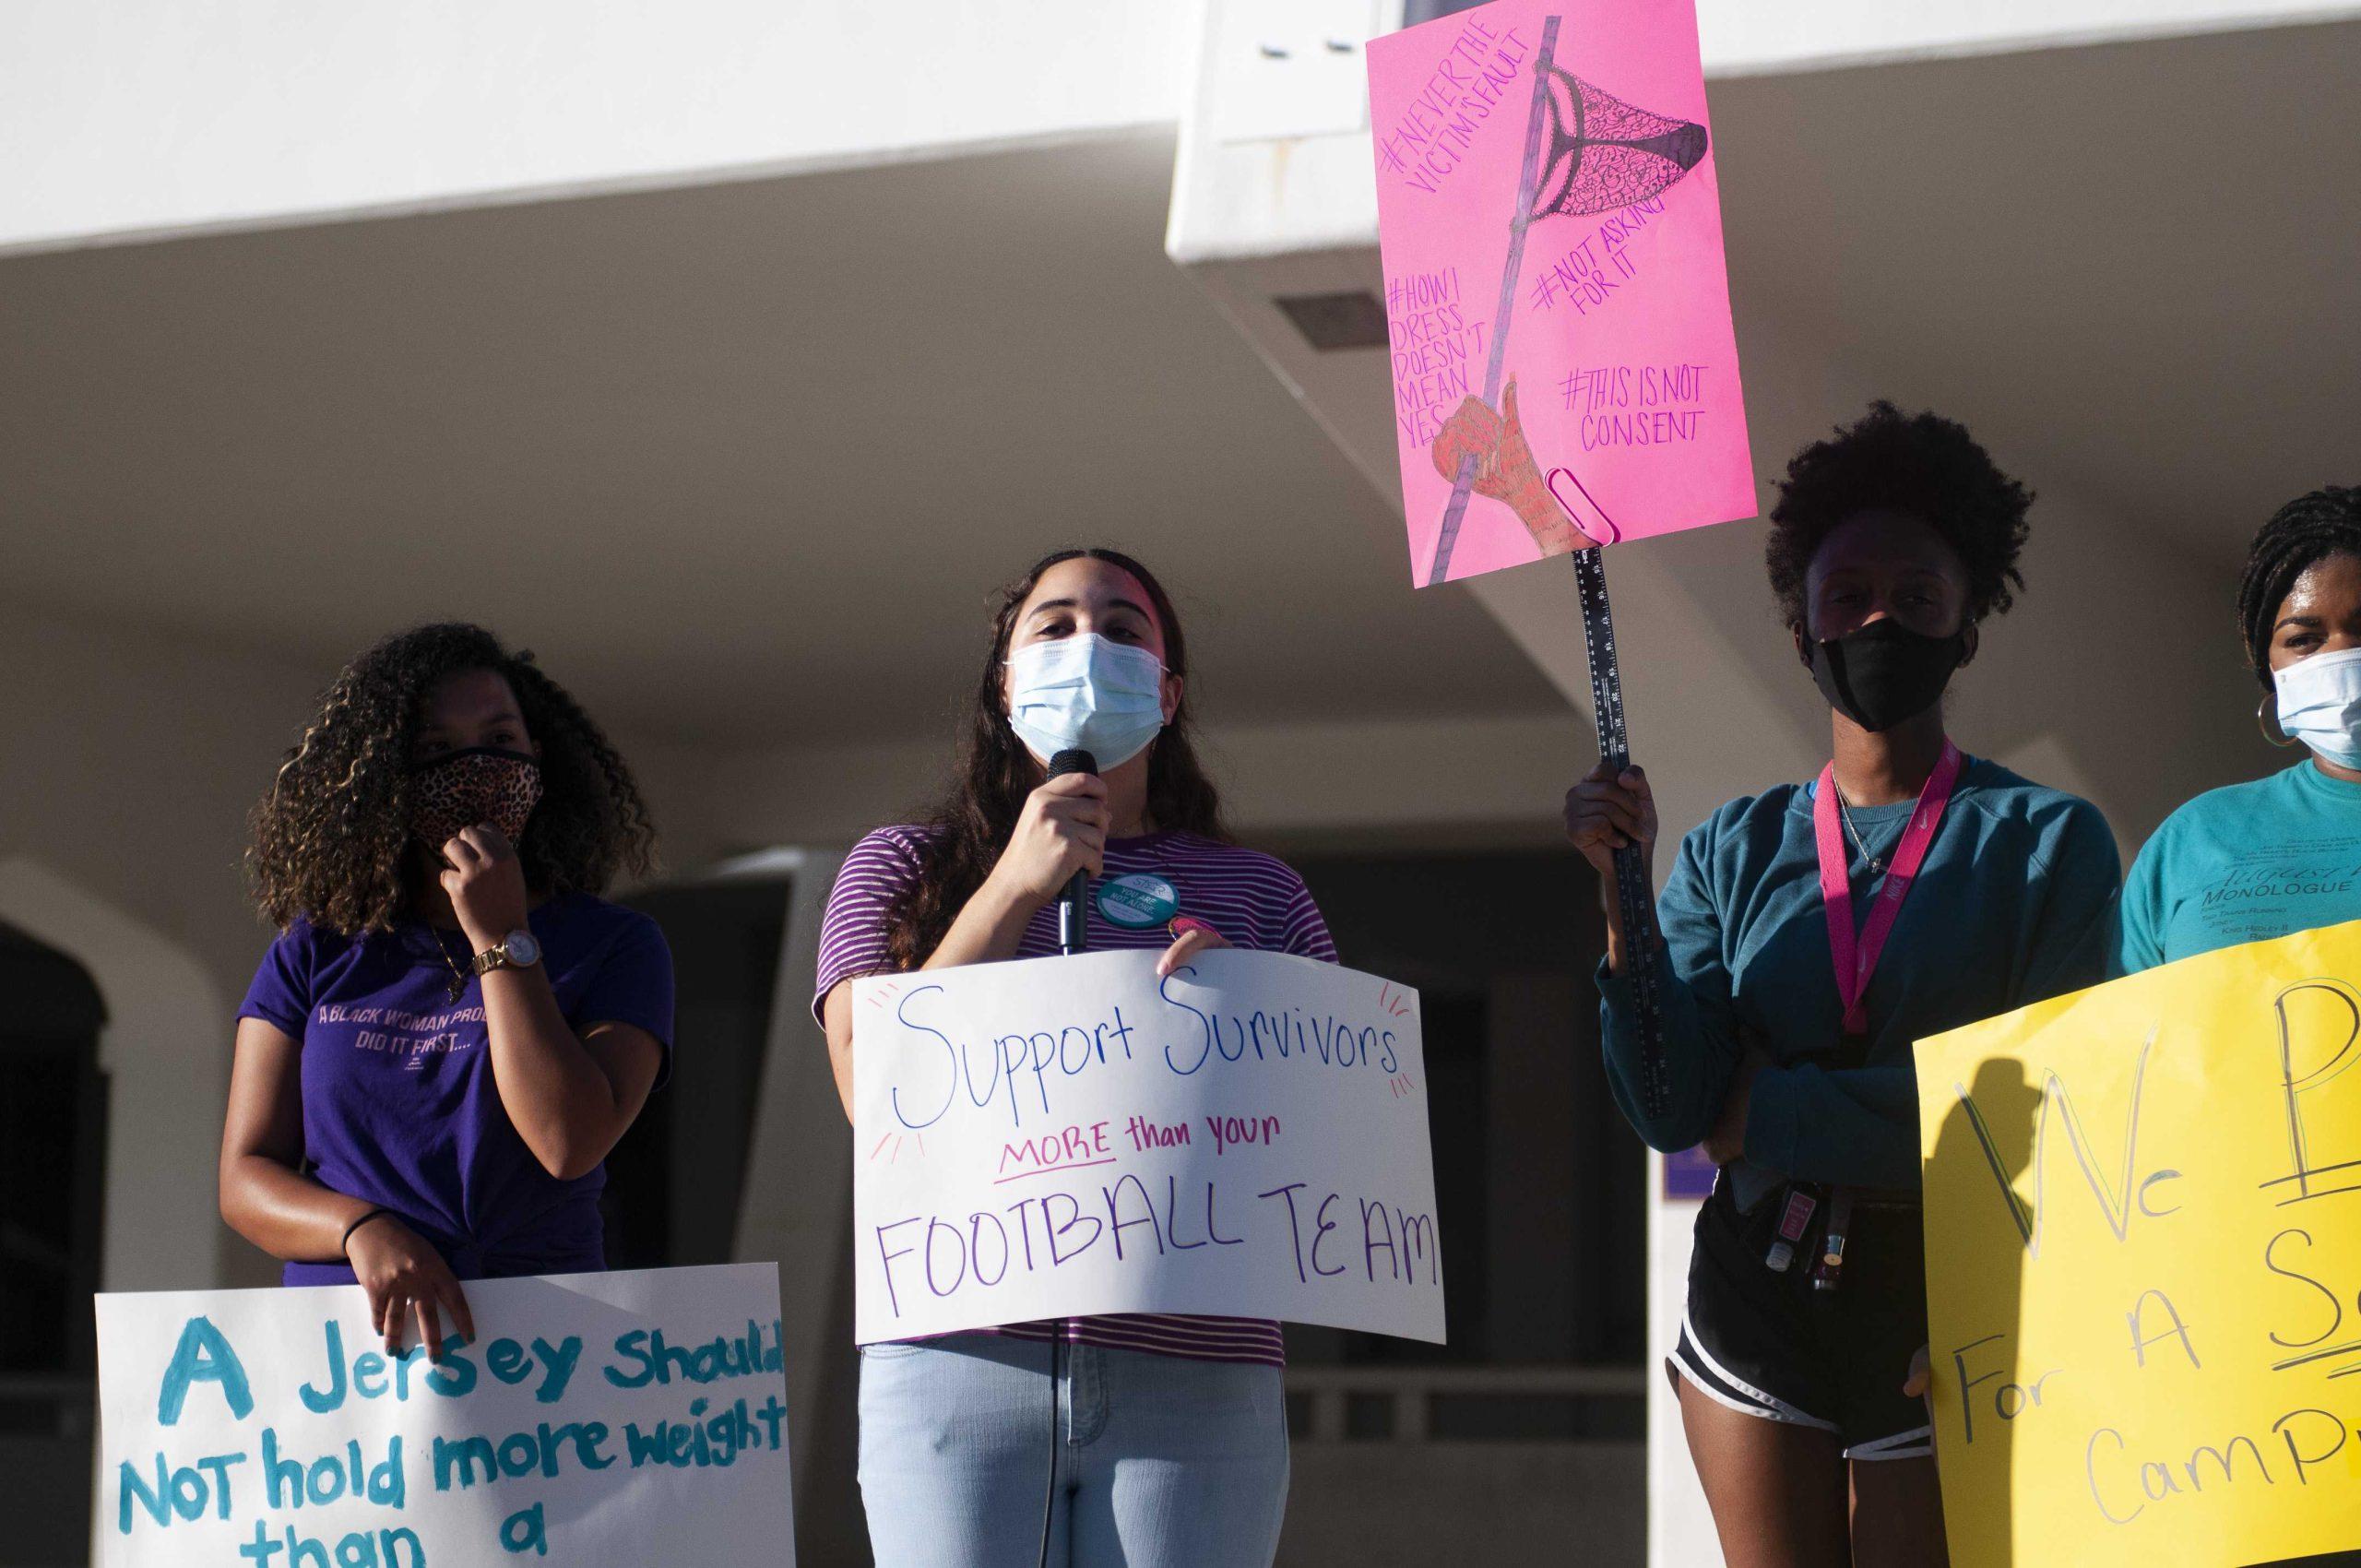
344,1246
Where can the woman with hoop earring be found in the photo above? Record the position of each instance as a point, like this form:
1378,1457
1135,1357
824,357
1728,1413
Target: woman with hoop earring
2281,854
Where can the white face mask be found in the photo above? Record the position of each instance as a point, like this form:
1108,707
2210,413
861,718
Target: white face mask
1086,692
2320,704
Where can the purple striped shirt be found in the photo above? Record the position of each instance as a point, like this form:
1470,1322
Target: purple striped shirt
1254,899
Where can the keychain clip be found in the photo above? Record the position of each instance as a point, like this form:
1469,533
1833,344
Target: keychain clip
1831,1268
1792,1224
1614,535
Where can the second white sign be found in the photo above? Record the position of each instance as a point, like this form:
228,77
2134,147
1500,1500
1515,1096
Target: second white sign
1061,1137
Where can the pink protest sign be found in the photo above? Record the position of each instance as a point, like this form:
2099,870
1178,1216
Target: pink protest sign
1564,370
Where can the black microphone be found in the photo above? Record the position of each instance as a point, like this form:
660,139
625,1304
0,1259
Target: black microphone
1073,917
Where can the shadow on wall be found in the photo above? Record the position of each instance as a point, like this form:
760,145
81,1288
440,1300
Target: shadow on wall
1994,1124
163,1038
52,1164
164,1017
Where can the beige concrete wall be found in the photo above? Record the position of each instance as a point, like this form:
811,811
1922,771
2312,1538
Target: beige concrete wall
127,763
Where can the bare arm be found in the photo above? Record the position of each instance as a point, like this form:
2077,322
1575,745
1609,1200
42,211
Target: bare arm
836,1016
1063,830
267,1198
263,1195
986,931
988,928
570,1097
835,1010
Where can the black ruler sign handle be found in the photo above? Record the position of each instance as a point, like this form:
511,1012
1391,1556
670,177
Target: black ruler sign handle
1635,900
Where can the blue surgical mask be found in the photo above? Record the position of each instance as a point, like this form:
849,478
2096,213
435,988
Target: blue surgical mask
1086,692
2320,704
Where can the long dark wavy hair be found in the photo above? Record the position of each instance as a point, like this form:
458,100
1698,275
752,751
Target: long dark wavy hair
331,834
968,828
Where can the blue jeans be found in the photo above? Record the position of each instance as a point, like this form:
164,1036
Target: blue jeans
1161,1462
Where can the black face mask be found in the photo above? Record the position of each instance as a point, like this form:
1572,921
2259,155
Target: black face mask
1885,673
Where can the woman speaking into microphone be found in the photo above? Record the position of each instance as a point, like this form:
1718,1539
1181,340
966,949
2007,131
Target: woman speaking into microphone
1809,936
1147,1440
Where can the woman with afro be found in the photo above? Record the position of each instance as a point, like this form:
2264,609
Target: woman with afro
452,1029
2283,849
1808,935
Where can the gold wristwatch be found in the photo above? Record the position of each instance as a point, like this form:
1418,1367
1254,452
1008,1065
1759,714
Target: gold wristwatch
518,950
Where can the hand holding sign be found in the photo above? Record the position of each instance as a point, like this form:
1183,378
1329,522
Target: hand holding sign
2143,1265
405,1278
1242,1136
1189,937
610,1419
1640,429
1609,809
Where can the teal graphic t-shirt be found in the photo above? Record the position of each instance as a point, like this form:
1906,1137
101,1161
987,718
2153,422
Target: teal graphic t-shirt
2243,864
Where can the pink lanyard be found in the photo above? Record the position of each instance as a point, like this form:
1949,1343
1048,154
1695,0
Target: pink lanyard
1857,961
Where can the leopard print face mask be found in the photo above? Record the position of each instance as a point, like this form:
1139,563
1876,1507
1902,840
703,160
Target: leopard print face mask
481,784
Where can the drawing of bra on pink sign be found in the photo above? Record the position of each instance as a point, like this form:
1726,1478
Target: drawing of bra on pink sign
1564,369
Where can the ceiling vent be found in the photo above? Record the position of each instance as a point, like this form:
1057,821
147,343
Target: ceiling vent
1354,320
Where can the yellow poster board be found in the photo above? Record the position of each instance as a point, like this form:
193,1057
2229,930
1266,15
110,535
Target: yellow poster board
2143,1266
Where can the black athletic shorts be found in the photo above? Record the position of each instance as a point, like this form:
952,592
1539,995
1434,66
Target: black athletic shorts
1767,1343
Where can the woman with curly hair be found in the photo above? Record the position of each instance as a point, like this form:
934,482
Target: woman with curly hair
2272,856
1808,935
1170,1431
452,1029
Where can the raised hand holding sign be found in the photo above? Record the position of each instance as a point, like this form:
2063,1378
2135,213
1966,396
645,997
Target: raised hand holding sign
1639,427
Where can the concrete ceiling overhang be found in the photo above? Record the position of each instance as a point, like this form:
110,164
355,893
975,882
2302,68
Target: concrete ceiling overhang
2138,263
744,461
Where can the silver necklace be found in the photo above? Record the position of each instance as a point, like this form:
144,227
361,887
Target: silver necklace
1876,862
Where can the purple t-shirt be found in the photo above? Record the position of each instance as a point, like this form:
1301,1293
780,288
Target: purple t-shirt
1254,900
400,1105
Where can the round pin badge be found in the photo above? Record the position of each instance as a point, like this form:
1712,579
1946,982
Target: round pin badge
1138,901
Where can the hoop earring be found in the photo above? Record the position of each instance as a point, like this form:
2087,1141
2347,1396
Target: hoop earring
2266,718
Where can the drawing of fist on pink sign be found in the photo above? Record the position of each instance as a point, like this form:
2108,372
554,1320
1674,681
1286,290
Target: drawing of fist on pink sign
1505,471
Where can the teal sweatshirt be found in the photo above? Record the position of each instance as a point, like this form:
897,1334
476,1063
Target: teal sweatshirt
2245,864
2011,907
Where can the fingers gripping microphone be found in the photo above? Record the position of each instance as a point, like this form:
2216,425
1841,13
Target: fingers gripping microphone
1073,916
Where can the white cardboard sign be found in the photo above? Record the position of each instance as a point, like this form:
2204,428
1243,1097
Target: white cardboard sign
627,1418
1058,1138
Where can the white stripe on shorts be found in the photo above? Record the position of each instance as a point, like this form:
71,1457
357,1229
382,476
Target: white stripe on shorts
1918,1443
1691,1360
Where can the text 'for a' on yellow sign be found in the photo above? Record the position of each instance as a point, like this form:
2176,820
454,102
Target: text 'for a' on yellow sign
2143,1266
